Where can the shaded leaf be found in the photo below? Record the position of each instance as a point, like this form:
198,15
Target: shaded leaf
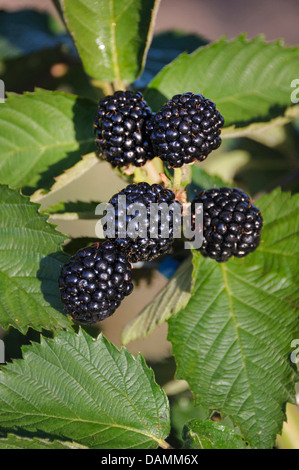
67,211
225,164
204,180
166,47
201,180
268,167
71,174
50,69
78,207
232,341
75,244
26,31
87,390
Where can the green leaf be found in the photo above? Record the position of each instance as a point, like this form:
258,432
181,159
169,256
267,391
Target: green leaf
112,36
42,134
30,263
248,80
84,390
205,434
16,442
233,340
169,301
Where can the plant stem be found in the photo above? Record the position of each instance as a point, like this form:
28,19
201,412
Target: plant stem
158,165
164,445
105,87
148,173
138,175
152,174
177,178
118,85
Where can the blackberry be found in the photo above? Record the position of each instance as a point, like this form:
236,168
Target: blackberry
95,281
147,245
186,129
120,127
231,223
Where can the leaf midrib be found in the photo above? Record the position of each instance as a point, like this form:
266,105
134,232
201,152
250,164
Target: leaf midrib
48,416
46,147
109,425
233,316
113,43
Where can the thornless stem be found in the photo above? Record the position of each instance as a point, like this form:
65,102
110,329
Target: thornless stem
177,178
147,173
164,445
138,175
152,173
105,87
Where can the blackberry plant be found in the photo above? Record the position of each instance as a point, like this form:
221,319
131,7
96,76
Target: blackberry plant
118,121
187,128
95,281
120,127
145,247
232,224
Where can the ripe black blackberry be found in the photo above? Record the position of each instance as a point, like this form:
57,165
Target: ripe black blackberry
95,281
186,129
147,245
120,127
232,224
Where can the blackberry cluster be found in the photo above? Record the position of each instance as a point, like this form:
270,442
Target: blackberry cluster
120,127
142,218
147,246
232,224
187,128
95,281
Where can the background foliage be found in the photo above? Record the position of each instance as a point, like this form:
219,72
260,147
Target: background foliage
231,325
